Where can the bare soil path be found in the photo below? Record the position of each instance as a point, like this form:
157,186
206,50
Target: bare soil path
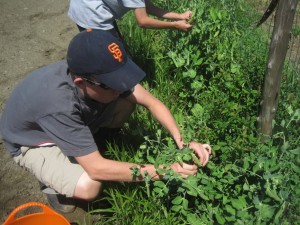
33,34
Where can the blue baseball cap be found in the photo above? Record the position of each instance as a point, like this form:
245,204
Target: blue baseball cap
100,54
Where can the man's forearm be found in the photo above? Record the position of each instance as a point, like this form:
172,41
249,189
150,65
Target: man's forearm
163,115
102,169
159,12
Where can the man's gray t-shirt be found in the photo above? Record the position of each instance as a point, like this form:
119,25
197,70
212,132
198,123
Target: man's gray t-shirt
46,108
100,14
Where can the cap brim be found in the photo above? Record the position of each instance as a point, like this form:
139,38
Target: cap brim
124,78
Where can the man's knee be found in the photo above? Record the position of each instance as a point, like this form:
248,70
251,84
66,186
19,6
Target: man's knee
122,112
125,106
87,189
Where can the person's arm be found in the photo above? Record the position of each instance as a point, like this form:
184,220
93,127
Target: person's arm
101,169
160,112
144,21
166,14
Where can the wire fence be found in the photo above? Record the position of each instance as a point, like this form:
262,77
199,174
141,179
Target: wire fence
293,54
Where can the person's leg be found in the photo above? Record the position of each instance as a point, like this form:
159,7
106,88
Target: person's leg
119,112
122,112
114,118
51,167
60,173
86,188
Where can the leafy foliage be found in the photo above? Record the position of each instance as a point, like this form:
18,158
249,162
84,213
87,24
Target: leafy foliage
211,79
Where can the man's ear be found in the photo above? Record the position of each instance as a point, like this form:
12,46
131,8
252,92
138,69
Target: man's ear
78,81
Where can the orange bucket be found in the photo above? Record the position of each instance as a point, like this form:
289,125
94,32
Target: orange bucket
46,217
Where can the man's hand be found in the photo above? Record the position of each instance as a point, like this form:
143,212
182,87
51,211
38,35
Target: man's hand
182,25
203,151
186,15
184,169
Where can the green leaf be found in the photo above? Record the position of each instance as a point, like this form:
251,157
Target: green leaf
180,190
295,151
234,68
185,204
271,192
213,14
225,199
246,164
216,33
195,159
194,219
290,110
239,203
230,210
202,195
279,213
216,147
143,146
295,168
220,15
176,208
197,110
166,189
192,192
190,73
150,159
246,187
160,171
242,214
159,184
220,218
177,201
192,181
157,190
135,171
218,196
266,211
186,157
285,146
198,62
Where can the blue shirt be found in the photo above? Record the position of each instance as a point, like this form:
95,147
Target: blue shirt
47,108
100,14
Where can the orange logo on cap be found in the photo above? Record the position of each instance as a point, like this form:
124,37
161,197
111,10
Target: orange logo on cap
116,51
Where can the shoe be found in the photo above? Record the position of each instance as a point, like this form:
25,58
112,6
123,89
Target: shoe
57,201
61,203
46,190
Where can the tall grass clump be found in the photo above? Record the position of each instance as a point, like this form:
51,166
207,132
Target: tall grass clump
211,78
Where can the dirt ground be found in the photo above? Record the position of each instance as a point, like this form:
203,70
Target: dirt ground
34,33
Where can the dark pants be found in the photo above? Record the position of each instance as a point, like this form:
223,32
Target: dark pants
115,31
106,135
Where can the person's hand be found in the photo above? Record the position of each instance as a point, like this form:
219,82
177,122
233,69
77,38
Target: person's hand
202,150
179,142
186,15
184,169
182,25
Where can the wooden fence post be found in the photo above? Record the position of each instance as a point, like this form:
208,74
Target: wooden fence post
278,48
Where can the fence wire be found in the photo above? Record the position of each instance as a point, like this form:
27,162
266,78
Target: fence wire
293,53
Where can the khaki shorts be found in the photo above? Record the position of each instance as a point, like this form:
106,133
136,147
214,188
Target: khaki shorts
51,167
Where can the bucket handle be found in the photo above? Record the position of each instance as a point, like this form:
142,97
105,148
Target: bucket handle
11,218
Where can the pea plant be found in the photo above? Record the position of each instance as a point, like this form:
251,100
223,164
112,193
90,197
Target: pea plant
211,79
253,189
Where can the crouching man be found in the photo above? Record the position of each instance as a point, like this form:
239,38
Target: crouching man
51,119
